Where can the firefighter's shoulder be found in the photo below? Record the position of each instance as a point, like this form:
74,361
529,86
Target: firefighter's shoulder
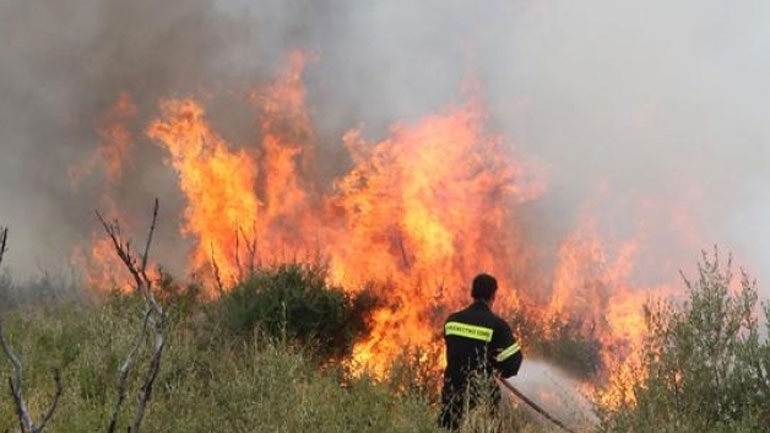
500,323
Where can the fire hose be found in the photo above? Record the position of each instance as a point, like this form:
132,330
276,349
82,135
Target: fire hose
534,405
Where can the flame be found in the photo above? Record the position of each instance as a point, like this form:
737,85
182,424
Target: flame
221,183
431,206
98,262
416,216
288,151
217,181
594,285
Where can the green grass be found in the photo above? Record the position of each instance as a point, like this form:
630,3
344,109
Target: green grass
207,383
213,378
263,358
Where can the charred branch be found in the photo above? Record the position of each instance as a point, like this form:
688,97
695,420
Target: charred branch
251,248
217,275
238,255
149,237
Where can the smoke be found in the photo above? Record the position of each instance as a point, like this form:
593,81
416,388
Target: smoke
64,65
649,115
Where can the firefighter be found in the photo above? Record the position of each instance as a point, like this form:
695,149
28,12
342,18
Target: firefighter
478,343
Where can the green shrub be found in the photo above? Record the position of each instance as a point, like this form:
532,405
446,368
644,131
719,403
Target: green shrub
568,342
295,302
414,372
206,383
212,379
705,367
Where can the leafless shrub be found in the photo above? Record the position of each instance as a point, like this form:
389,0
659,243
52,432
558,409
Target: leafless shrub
154,319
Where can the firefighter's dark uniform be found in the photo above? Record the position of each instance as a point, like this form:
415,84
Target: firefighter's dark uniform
477,340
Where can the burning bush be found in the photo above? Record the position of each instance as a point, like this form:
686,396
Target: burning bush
569,342
294,301
705,367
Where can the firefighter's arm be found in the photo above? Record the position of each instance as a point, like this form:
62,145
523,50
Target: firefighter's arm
507,354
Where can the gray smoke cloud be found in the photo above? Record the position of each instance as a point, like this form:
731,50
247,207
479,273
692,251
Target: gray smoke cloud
636,109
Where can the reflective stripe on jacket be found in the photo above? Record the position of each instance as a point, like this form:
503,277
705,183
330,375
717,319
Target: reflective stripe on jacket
478,339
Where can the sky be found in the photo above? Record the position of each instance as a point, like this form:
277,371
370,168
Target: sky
651,114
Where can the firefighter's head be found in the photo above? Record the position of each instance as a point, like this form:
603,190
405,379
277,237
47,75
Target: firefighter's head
484,288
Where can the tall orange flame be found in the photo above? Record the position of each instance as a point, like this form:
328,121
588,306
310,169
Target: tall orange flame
217,181
425,210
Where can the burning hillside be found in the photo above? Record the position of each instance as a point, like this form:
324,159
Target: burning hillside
589,158
415,216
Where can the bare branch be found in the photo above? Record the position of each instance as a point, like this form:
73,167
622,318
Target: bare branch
152,372
15,383
123,373
25,420
153,314
251,246
238,255
55,402
122,248
20,409
9,352
217,275
149,236
3,238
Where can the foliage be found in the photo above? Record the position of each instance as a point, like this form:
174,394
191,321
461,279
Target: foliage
567,342
246,361
706,368
183,298
413,372
206,384
294,301
487,416
212,379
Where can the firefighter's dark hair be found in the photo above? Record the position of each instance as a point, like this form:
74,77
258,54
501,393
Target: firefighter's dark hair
484,286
